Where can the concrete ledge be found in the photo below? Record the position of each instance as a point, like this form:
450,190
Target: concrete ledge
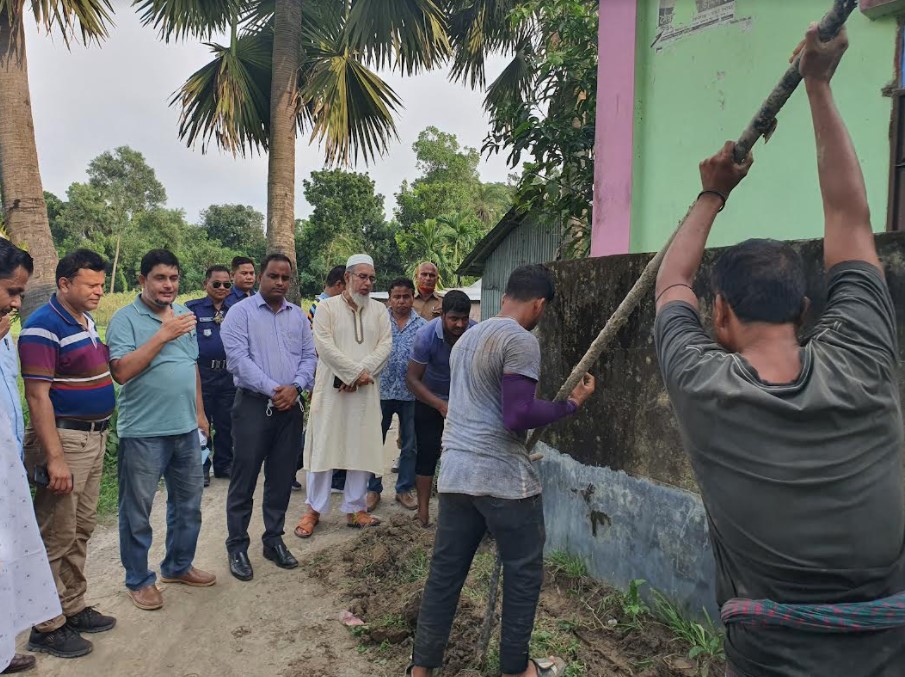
626,528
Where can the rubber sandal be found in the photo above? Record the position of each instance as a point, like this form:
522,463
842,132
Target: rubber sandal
362,520
306,525
551,666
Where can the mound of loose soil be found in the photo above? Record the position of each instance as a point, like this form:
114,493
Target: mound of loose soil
580,620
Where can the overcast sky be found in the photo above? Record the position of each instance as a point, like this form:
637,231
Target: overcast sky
94,99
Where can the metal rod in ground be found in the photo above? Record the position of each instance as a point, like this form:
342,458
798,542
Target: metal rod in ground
761,124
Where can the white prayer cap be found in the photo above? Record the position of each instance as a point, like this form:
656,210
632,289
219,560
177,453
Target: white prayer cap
358,259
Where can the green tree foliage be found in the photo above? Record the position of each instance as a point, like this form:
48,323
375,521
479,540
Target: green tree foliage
237,227
347,217
447,209
542,110
121,209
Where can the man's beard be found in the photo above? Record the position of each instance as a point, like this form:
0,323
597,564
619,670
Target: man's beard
360,300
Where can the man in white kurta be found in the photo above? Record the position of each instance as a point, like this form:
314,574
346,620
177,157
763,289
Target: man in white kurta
353,338
28,594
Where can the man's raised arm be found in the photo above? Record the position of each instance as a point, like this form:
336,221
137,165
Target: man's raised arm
719,176
848,235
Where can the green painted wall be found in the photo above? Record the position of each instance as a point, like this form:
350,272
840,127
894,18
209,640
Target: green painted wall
703,89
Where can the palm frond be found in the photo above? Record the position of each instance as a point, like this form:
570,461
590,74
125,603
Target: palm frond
229,98
514,84
409,35
351,108
179,19
257,15
87,18
477,28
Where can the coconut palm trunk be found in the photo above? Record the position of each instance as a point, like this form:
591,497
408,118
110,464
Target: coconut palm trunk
287,34
20,178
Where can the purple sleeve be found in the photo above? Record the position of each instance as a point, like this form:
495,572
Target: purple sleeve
521,411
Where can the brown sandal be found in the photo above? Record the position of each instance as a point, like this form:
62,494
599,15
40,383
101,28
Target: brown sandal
361,520
306,525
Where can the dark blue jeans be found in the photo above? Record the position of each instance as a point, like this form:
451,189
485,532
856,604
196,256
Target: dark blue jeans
518,527
142,462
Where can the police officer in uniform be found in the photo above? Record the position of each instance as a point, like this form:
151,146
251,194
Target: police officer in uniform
217,389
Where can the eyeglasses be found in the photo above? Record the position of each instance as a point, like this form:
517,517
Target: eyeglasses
365,276
217,284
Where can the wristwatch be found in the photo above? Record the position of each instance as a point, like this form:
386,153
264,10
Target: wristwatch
299,389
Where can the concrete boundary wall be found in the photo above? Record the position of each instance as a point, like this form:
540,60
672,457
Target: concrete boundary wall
626,528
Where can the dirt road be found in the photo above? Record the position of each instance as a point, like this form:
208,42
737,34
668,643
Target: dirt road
281,624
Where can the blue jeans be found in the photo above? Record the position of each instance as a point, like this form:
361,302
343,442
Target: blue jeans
142,462
405,480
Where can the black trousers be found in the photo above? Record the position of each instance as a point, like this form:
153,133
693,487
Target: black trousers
272,441
219,394
518,527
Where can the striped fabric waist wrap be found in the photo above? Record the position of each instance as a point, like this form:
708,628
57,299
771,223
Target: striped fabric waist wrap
880,614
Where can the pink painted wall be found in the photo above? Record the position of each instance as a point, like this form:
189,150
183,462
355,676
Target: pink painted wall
613,142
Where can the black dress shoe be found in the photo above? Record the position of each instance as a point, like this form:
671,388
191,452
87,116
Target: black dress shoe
280,555
239,566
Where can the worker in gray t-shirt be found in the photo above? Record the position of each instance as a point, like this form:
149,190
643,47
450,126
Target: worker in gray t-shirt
486,480
797,447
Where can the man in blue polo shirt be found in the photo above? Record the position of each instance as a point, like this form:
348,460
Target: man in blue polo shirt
70,398
428,380
217,388
153,354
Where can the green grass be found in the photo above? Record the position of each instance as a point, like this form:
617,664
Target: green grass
566,564
415,567
704,639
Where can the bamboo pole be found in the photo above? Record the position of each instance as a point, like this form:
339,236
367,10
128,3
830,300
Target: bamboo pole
763,124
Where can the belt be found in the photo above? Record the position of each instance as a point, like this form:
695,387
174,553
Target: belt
83,426
251,393
214,364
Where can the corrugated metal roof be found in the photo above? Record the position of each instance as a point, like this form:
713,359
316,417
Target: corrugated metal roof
527,242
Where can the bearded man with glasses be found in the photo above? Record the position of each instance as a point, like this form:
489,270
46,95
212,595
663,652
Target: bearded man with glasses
353,338
217,388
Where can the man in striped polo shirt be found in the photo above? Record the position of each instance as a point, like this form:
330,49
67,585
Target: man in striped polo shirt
70,396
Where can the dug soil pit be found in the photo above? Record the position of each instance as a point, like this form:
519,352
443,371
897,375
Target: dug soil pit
599,631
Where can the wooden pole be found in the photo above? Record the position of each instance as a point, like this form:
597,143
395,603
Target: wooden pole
762,124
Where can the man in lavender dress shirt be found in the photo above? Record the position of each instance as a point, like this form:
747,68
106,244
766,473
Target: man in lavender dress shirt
270,353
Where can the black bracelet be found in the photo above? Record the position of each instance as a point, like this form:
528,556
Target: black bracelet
714,192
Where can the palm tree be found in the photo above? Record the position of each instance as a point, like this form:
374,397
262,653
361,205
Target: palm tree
24,209
427,240
292,67
461,230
